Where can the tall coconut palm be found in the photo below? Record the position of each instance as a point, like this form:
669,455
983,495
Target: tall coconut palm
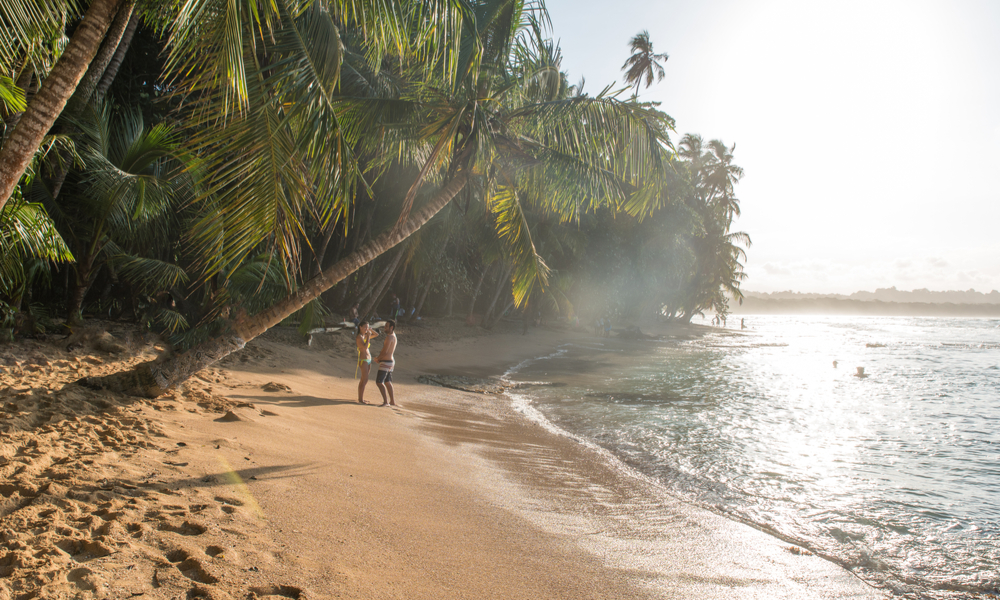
644,64
204,33
59,84
480,122
717,268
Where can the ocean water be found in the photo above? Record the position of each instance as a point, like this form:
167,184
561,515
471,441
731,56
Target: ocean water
894,475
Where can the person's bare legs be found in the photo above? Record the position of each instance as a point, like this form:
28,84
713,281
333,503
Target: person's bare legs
383,388
365,368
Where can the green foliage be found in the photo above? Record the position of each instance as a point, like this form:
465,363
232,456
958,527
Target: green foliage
11,96
255,141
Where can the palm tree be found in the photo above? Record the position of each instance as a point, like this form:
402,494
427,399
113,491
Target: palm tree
117,204
717,269
60,83
202,35
485,121
28,237
643,64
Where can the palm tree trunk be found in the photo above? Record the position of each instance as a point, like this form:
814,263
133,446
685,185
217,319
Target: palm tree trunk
423,297
85,89
153,378
475,294
50,100
501,286
380,286
81,284
496,318
321,254
112,70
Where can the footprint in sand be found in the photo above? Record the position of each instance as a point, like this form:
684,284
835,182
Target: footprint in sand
190,567
228,504
276,591
187,528
83,550
84,579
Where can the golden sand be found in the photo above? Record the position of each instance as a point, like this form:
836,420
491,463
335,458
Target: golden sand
263,478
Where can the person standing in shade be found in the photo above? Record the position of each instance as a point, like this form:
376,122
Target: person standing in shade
394,307
363,340
386,362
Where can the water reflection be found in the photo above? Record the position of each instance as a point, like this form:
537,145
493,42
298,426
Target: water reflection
895,474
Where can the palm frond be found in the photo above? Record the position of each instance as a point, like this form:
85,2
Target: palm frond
148,275
11,97
512,228
170,321
25,228
23,22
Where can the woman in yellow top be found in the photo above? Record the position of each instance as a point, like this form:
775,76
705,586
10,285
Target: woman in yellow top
363,339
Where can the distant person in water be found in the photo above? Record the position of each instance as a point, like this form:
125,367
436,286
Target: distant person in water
362,340
743,323
386,362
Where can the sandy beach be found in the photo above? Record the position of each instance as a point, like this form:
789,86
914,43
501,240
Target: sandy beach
264,478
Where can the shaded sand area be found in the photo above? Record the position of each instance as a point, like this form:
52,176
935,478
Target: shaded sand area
263,478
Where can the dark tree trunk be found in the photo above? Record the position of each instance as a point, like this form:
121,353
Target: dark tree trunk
56,90
153,378
496,318
475,293
423,297
112,70
501,286
85,89
383,281
322,248
84,278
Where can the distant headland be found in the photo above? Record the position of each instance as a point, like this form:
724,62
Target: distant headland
881,302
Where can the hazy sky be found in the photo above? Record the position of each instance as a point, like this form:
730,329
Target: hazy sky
869,130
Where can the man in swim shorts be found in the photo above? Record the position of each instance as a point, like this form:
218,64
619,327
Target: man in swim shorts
386,362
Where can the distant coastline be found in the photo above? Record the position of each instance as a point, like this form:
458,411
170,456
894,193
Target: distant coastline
764,304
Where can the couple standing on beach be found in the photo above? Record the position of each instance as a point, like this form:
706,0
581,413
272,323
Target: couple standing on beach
385,360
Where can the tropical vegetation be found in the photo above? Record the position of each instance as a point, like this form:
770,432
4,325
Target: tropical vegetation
211,169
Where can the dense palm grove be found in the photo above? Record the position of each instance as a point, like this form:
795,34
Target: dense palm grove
211,169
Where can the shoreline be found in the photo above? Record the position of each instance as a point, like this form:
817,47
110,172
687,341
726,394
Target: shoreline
688,552
300,492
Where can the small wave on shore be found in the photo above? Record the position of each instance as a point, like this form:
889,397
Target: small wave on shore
891,476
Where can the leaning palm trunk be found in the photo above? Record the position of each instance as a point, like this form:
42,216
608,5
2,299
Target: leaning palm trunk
57,89
153,378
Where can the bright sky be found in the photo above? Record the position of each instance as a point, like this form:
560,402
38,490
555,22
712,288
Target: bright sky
869,130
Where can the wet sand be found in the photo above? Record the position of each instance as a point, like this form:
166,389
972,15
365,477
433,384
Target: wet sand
263,478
